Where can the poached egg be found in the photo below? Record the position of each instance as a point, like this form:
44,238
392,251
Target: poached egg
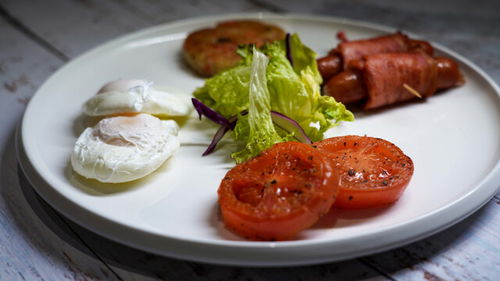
137,96
124,148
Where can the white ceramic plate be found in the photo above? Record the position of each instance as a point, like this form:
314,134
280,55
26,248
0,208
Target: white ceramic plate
453,139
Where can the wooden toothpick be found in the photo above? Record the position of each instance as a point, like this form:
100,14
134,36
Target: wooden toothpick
411,90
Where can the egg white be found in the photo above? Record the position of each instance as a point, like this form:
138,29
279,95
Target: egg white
124,148
137,96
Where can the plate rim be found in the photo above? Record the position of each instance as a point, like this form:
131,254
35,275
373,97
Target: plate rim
471,198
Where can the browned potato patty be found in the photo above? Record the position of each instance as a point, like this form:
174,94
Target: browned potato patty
209,51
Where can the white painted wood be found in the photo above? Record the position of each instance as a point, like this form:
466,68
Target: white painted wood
52,255
34,250
123,259
467,27
158,11
467,251
28,249
75,26
113,253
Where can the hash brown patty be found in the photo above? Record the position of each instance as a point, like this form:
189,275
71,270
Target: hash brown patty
211,50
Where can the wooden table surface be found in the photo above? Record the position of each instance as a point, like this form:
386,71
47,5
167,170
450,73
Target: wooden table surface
38,37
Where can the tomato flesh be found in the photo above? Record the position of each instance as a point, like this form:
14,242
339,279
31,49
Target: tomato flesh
372,172
278,193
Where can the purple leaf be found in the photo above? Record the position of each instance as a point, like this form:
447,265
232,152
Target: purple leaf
291,126
215,140
284,122
211,114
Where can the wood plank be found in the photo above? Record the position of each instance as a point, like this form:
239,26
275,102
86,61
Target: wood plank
125,260
158,11
469,250
29,250
138,265
466,251
77,236
467,27
85,24
23,67
117,255
73,27
88,23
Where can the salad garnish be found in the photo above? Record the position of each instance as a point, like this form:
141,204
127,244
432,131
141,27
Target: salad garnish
266,81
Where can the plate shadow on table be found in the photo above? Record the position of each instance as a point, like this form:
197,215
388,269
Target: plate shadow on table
153,265
17,208
164,268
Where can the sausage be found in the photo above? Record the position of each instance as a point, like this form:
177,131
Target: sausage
420,45
386,74
329,66
448,73
346,87
354,50
380,78
386,70
348,53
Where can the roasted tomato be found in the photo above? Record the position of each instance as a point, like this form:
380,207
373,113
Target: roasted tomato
373,172
278,193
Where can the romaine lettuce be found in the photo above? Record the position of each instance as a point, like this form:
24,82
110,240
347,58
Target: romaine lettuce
291,88
256,128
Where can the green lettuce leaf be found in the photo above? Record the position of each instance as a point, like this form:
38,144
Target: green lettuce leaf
257,130
227,92
293,90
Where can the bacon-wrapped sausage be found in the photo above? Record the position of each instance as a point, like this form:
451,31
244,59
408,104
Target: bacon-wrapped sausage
386,74
329,66
348,52
388,78
346,87
385,70
355,50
